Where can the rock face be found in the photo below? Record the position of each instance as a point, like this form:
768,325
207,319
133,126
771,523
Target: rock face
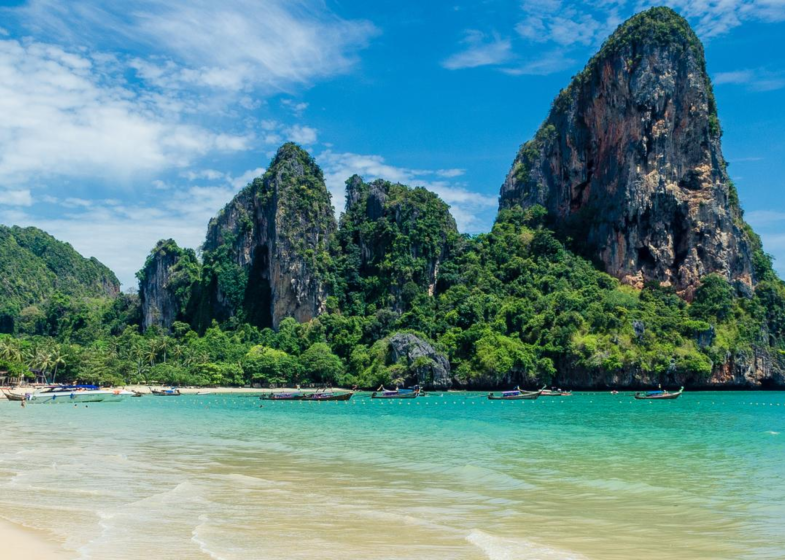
628,162
757,368
400,234
167,284
265,256
429,368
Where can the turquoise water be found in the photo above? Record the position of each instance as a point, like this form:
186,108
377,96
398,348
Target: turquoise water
591,477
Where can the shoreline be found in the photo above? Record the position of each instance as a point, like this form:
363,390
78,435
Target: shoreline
145,390
30,544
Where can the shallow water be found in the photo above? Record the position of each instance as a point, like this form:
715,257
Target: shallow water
591,477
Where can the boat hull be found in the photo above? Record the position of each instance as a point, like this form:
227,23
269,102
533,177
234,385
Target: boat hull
79,397
668,397
329,397
664,396
283,397
396,396
522,397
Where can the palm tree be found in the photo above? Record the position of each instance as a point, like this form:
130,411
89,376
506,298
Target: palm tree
163,345
9,350
177,352
56,359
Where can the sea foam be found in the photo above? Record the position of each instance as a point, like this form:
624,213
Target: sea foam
500,548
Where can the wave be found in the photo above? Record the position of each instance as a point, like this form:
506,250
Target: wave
499,548
198,541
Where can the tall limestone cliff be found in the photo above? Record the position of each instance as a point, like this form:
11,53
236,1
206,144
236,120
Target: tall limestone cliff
628,162
266,254
395,233
168,285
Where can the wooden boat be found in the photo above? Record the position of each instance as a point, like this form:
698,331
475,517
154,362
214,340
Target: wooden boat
516,395
555,393
383,393
658,395
293,396
173,392
11,396
329,396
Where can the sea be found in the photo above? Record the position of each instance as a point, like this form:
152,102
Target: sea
450,476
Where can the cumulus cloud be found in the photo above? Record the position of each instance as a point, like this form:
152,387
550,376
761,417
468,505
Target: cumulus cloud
304,135
16,198
63,115
232,44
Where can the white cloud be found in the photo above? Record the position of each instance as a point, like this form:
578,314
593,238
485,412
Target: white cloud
121,236
16,198
480,51
548,63
472,210
241,180
304,135
297,108
209,174
737,77
450,173
62,114
232,44
758,79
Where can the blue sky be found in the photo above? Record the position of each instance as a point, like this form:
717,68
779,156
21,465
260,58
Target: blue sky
125,122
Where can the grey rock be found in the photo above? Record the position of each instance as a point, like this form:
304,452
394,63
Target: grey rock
428,368
630,159
274,231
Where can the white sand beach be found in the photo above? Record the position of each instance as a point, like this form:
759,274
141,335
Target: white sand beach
20,543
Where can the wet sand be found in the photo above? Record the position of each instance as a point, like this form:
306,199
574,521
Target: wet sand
21,543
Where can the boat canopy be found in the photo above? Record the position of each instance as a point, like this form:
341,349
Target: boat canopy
75,387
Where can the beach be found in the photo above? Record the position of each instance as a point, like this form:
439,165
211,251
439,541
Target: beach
21,543
446,477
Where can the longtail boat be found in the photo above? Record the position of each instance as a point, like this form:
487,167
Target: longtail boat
13,396
290,396
173,392
555,393
516,395
383,393
329,396
658,395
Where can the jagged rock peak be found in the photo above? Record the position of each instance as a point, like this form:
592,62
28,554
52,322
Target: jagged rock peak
167,283
399,232
266,251
629,164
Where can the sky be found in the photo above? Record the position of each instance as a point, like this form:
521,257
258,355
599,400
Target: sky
122,123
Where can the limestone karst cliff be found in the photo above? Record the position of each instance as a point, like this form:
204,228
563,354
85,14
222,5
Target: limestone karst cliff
399,233
629,165
265,253
168,283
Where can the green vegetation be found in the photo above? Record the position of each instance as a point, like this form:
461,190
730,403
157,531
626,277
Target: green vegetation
35,267
511,306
